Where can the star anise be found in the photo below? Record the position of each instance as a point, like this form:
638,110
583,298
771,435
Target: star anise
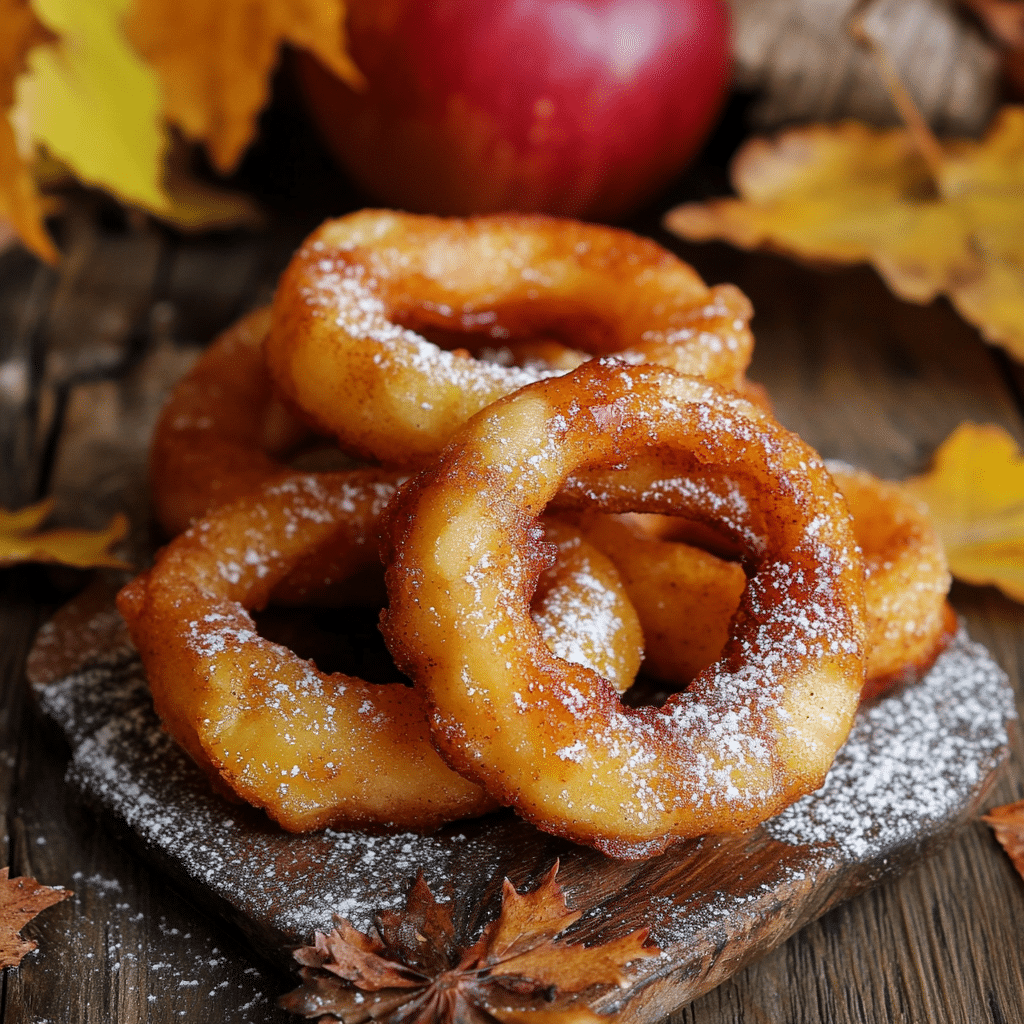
410,968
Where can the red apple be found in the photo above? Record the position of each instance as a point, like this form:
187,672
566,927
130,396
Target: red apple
575,107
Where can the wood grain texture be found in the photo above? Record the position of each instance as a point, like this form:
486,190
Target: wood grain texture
862,376
880,383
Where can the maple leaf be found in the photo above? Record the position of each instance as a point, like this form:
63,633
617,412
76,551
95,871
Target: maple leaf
99,103
1007,822
215,60
93,103
20,900
20,203
411,968
20,540
975,493
933,219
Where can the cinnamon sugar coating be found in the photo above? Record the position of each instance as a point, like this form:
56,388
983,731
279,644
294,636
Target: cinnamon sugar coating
310,748
222,431
906,579
685,596
755,731
344,343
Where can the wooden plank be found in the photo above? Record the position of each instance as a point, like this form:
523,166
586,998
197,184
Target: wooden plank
107,281
19,620
860,375
23,304
125,947
212,282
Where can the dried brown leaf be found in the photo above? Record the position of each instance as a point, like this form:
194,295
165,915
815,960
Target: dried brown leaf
412,968
569,1015
1007,822
20,900
424,936
574,968
526,919
354,957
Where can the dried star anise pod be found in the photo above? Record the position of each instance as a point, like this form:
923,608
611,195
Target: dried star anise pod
410,968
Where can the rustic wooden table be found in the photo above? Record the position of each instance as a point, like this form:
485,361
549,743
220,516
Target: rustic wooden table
84,355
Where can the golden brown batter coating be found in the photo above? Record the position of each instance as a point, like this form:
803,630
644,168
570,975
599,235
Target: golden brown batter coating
344,347
752,733
685,596
222,431
314,749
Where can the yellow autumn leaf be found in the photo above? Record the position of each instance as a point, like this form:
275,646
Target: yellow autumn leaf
215,60
849,193
93,103
21,541
20,203
975,492
115,73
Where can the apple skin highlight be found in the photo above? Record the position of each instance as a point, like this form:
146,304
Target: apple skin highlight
580,108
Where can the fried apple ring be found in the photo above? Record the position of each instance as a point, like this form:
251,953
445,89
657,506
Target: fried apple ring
582,612
752,733
343,344
222,431
685,596
314,749
906,579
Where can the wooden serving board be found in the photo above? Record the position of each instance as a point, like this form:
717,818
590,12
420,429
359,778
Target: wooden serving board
915,768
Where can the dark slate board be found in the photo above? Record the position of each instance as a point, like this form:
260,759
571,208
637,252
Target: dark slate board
915,767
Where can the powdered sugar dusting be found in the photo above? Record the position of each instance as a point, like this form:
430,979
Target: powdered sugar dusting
908,760
593,611
344,293
914,760
167,967
129,765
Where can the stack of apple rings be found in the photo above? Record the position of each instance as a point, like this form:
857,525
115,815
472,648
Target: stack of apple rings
464,350
671,581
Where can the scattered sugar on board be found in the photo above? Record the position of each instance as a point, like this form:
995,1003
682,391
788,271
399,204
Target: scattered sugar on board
129,764
906,760
167,966
914,758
